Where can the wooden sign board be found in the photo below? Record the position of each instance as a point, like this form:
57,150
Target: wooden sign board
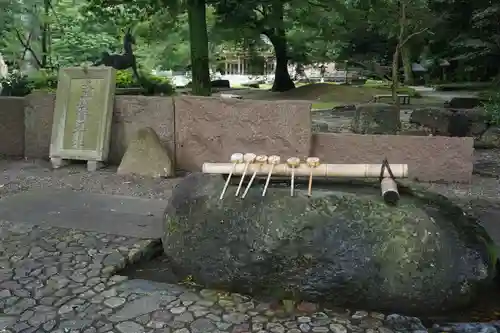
82,116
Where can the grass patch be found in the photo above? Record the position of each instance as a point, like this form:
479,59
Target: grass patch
338,94
325,105
329,95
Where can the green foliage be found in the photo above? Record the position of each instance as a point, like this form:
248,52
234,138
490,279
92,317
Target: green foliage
125,79
467,34
44,80
469,86
153,85
156,85
492,108
16,84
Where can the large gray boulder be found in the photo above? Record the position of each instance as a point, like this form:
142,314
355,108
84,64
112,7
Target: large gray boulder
376,118
464,103
344,246
454,122
146,156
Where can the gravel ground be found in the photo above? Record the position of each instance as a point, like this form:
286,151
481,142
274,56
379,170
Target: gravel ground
22,175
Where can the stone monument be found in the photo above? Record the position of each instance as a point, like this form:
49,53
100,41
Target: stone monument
82,116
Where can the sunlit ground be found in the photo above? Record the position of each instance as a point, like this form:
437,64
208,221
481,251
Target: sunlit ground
328,95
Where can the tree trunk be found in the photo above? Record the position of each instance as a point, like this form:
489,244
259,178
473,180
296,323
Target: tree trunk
29,62
408,72
395,77
199,47
282,79
395,56
45,33
346,68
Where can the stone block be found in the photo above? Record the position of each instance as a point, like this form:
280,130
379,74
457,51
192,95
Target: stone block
210,129
429,158
38,117
12,126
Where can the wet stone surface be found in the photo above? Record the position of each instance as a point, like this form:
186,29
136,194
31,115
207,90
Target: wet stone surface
60,280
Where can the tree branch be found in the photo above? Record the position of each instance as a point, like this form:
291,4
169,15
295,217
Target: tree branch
56,16
411,36
316,4
260,11
27,46
25,49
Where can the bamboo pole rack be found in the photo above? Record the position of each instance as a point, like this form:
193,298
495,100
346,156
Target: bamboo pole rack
303,170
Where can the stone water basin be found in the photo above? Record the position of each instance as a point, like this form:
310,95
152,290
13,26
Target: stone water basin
343,246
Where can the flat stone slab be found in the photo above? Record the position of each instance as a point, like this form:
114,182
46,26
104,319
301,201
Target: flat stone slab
429,158
223,126
110,214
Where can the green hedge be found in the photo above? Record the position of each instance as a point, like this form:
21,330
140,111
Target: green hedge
17,84
472,86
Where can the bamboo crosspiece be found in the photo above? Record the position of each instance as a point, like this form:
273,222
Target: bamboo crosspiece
236,158
292,162
247,158
260,160
312,162
273,160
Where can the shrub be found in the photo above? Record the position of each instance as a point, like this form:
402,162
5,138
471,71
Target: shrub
152,84
471,86
157,85
19,84
16,84
492,108
125,79
44,80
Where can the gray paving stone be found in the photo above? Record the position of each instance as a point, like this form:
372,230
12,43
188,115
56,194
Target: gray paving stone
114,302
130,327
7,321
136,308
202,325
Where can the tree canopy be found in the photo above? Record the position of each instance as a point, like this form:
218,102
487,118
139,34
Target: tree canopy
463,36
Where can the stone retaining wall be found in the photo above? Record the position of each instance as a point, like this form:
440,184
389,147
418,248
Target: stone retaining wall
12,126
199,129
429,158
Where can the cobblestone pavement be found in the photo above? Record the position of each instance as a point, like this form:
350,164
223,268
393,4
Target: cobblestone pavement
60,280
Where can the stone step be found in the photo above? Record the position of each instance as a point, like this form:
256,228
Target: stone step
112,214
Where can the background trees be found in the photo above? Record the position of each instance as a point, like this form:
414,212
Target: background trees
194,34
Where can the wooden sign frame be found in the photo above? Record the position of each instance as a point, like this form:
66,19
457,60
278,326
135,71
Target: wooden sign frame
65,108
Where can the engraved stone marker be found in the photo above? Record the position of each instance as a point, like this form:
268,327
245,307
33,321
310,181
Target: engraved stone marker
82,116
